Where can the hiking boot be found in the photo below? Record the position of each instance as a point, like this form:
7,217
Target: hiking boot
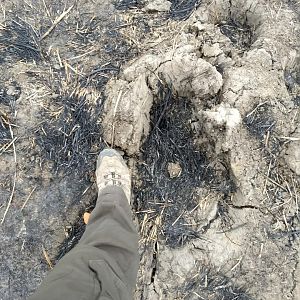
113,171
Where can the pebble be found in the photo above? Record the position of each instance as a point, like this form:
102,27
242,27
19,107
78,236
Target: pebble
174,170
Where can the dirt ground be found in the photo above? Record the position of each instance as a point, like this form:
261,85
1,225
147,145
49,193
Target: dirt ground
201,97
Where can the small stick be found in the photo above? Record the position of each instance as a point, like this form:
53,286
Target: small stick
5,147
194,208
114,115
267,139
235,266
86,189
28,198
266,181
74,70
82,55
293,139
47,257
276,183
47,11
10,198
14,147
56,21
59,59
3,11
198,295
285,222
15,178
178,218
296,196
254,110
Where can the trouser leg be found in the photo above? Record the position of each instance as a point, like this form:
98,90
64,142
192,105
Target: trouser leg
105,262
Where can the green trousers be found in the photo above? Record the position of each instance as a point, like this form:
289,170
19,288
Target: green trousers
104,264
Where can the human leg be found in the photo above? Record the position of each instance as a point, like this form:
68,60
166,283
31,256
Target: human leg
104,264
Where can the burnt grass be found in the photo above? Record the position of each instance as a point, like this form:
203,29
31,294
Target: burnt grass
18,40
5,136
240,34
71,140
180,10
7,98
8,101
171,140
211,284
261,123
292,79
296,100
129,4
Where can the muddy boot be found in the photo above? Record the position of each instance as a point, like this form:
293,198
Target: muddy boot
113,171
105,262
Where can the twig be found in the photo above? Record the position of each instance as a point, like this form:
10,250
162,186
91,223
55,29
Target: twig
28,198
266,181
14,147
56,21
74,70
10,198
114,115
5,147
289,138
198,295
276,183
296,196
178,218
86,189
235,266
15,177
82,55
59,59
47,11
47,257
254,110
